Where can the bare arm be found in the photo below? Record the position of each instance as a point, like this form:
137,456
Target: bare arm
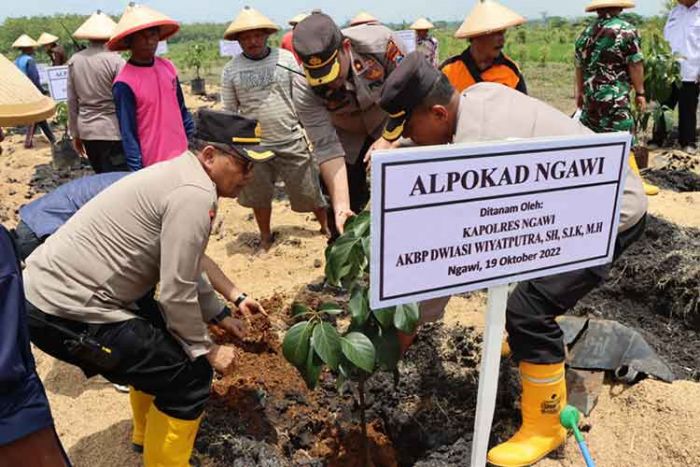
636,71
335,176
222,284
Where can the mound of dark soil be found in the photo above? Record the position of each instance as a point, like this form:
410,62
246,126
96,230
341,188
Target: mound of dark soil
262,414
676,180
654,287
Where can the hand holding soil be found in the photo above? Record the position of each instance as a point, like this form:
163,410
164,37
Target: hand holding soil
222,357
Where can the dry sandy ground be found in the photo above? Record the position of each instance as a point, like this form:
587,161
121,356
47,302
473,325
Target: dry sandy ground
650,424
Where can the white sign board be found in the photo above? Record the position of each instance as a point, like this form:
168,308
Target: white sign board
451,219
408,36
229,48
43,75
58,82
162,48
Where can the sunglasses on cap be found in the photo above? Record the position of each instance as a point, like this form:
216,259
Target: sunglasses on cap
247,164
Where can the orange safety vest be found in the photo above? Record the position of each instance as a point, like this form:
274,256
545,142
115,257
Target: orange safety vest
463,72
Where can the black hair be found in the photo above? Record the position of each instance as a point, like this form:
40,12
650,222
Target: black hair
440,93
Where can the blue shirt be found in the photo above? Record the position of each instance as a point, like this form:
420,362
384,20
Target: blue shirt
24,408
27,64
45,215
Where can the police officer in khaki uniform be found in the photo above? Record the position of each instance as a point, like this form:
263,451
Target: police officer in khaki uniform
429,111
337,102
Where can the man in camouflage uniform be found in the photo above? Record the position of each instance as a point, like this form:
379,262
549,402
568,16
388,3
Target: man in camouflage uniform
609,62
337,101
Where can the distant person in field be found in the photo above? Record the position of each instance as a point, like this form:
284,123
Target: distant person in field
609,65
682,32
55,51
429,111
287,42
258,84
425,43
92,115
153,119
26,63
484,60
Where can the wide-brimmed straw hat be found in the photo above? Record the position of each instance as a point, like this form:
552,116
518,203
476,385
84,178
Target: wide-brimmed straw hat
362,18
98,27
598,4
137,18
488,16
293,21
24,41
421,24
21,103
249,19
46,39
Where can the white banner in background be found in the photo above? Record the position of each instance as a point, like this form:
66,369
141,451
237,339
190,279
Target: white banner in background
229,48
57,77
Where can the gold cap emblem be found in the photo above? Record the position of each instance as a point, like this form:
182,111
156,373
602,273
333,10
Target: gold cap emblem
315,61
258,131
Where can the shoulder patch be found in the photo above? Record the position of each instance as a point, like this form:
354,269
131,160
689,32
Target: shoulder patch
393,53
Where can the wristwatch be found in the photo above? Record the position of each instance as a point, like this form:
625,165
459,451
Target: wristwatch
225,313
240,299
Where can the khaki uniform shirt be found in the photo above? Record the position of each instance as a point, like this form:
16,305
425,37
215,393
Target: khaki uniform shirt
152,226
91,111
340,128
489,111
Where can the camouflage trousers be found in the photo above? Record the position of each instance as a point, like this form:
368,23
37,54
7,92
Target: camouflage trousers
607,118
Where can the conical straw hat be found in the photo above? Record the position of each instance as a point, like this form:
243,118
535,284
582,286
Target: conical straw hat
362,18
24,41
98,27
297,19
46,39
137,18
21,103
487,17
422,24
598,4
247,20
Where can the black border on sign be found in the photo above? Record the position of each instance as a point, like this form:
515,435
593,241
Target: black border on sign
613,225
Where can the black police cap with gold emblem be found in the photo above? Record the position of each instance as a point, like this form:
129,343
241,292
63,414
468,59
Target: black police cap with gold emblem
317,41
404,90
242,134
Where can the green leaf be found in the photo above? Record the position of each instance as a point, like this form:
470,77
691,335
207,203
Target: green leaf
366,247
330,308
385,316
406,318
326,342
295,346
359,350
299,309
388,349
338,255
312,369
358,305
360,224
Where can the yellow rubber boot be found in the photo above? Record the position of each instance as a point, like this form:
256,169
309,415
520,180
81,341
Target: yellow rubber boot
169,440
140,404
649,189
544,396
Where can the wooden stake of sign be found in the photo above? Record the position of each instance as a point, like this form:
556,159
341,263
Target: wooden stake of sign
488,373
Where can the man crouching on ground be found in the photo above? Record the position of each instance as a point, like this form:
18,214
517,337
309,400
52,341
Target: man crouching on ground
151,227
426,109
